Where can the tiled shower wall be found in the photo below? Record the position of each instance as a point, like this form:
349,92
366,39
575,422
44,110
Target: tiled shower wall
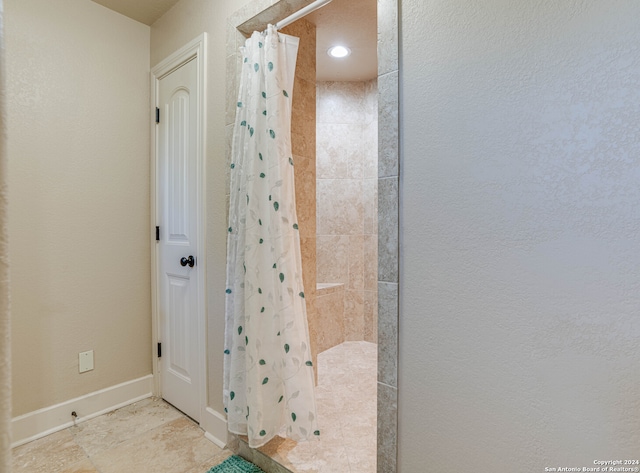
346,207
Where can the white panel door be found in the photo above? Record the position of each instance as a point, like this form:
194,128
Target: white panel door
178,297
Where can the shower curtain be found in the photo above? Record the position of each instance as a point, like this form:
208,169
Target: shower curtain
268,373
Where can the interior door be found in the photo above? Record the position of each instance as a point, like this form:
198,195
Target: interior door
177,186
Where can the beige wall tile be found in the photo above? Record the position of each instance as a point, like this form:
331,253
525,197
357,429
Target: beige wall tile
340,102
332,258
371,316
346,201
354,315
334,150
340,208
370,199
356,263
331,312
370,252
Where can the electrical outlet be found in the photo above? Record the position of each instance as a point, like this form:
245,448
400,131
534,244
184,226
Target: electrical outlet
85,361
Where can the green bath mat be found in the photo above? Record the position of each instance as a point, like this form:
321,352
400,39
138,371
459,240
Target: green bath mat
235,464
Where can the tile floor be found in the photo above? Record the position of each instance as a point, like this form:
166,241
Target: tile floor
347,415
148,436
151,436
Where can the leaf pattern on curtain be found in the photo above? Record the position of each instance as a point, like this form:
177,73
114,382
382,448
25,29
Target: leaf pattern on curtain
268,378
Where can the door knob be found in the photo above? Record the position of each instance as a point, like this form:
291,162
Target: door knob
187,261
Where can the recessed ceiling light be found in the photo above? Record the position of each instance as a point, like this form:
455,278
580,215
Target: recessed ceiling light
339,51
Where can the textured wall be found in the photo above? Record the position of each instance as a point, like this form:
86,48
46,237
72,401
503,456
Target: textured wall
78,167
347,132
5,328
520,270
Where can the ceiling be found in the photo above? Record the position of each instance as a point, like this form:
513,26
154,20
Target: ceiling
144,11
351,23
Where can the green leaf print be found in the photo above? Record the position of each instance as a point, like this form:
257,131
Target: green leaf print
286,348
262,310
276,206
280,400
262,175
309,363
230,229
265,381
291,161
264,95
301,295
260,156
272,133
232,395
262,362
281,277
270,66
239,104
227,352
243,122
259,291
261,241
293,416
284,92
295,226
246,340
240,330
256,67
233,165
263,433
316,432
228,291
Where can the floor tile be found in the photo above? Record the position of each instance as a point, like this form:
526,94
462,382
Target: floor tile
52,454
85,466
109,430
175,447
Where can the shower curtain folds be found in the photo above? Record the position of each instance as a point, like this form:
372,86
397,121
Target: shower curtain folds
268,373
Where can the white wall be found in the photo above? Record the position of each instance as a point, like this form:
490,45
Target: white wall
520,283
78,152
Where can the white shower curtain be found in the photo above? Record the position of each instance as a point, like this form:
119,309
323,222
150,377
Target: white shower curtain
268,379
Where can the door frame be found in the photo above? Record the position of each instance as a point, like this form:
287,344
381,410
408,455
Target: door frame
194,50
255,16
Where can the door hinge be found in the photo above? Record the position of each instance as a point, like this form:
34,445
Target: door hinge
157,115
159,350
157,233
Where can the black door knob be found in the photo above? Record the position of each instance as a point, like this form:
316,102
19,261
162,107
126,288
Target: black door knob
187,261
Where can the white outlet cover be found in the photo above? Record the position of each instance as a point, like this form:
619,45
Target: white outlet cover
85,361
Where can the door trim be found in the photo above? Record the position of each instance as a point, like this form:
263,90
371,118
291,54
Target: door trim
195,50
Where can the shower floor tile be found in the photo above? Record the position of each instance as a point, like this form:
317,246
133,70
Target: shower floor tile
346,399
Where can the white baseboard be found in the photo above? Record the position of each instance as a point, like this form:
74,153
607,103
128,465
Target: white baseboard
215,427
37,424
